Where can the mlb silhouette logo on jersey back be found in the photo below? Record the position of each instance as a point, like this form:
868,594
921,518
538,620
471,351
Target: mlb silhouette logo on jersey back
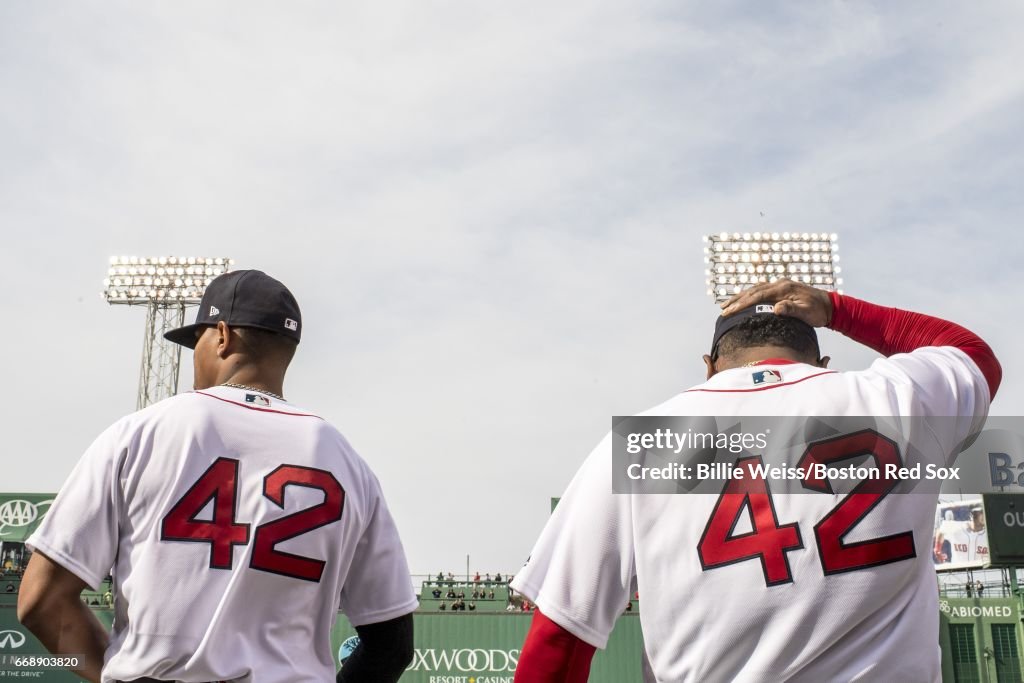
767,376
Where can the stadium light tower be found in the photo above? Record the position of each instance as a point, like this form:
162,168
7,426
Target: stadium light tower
166,286
735,261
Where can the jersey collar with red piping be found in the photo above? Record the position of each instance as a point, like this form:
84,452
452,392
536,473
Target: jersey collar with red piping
253,400
746,378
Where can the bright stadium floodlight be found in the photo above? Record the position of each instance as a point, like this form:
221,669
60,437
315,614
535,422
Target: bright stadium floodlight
735,261
165,285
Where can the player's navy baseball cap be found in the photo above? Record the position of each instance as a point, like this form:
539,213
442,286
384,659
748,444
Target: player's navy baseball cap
723,324
244,298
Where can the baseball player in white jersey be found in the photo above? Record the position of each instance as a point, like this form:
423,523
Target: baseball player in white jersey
792,599
235,525
968,541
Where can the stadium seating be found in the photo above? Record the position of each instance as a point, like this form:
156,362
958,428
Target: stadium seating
428,603
88,596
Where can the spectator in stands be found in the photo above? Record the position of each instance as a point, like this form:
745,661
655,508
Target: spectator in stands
629,606
510,607
970,589
472,607
9,588
436,593
476,594
451,577
442,606
451,593
979,587
462,595
487,577
476,579
497,577
490,594
440,577
108,599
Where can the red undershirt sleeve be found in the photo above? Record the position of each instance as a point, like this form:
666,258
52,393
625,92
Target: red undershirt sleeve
892,330
553,655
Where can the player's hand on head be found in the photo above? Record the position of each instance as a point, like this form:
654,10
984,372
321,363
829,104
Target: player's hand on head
793,299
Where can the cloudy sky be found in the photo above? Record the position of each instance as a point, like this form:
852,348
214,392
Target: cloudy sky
490,212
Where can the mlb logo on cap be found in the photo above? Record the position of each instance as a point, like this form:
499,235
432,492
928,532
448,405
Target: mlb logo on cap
291,324
767,377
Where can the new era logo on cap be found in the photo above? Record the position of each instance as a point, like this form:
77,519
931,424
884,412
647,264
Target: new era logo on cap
291,324
214,311
764,308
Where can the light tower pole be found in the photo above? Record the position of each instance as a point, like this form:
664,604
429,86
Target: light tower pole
166,286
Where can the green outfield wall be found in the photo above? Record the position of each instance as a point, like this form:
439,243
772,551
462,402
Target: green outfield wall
484,648
980,639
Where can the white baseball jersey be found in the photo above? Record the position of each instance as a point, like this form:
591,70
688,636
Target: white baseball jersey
966,545
236,525
810,610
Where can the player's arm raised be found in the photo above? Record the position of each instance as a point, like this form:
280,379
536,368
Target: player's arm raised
50,606
886,330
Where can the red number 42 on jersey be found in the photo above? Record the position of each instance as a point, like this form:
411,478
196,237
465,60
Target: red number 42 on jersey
220,484
769,541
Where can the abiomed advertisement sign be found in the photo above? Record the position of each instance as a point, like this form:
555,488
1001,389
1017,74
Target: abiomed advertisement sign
971,610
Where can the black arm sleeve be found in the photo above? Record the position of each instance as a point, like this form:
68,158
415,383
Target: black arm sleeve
383,653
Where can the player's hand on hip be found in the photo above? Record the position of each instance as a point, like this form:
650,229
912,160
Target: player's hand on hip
792,299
